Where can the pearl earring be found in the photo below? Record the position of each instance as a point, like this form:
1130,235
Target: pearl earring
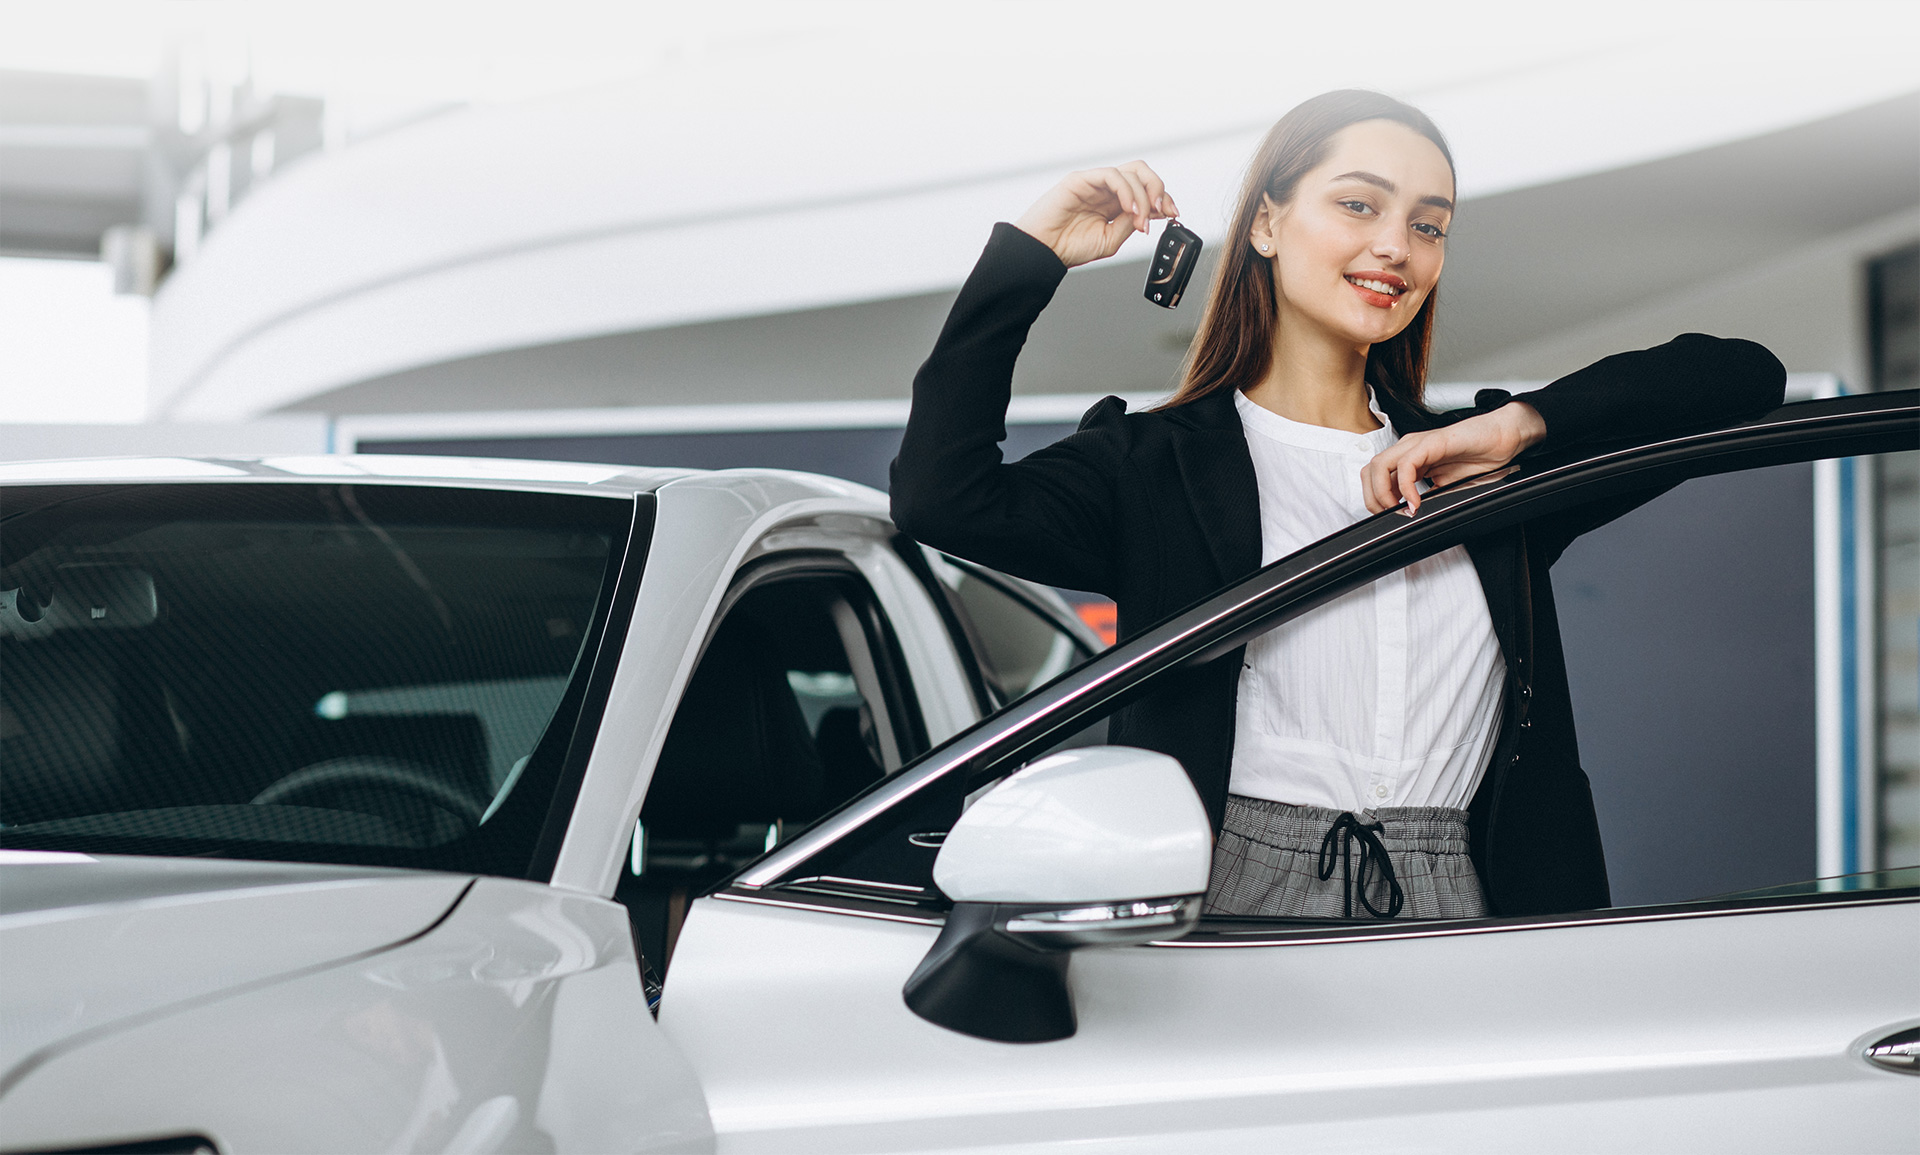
1263,248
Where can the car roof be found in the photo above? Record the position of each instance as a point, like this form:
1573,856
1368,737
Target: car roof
610,480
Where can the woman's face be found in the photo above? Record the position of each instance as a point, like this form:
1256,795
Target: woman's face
1359,246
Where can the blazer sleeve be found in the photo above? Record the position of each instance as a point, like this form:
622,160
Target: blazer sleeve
1691,383
1048,517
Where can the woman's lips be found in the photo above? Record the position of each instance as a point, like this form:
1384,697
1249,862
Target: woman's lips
1379,289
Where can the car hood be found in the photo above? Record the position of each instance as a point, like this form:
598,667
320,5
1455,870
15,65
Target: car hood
89,944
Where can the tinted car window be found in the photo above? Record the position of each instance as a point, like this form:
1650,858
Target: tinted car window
1689,627
1694,631
1018,647
301,672
799,703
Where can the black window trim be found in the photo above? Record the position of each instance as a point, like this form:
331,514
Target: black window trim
988,696
1808,430
1012,589
608,634
960,631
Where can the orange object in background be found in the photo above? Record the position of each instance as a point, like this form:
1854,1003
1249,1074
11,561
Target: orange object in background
1102,615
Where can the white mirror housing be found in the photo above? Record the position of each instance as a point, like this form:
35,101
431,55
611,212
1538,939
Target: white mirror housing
1100,846
1092,825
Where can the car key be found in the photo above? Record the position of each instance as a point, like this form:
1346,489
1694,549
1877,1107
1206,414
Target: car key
1173,264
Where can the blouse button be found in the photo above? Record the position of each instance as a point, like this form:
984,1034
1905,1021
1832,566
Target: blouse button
1379,791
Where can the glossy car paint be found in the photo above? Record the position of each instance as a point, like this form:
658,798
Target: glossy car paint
1633,1035
1676,1029
92,944
1100,824
517,1023
287,1007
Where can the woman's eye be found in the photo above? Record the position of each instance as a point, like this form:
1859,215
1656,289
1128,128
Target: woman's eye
1430,230
1360,207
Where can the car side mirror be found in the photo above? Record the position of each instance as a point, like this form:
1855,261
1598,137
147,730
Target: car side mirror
1089,847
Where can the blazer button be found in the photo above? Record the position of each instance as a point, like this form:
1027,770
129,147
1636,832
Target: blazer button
1527,724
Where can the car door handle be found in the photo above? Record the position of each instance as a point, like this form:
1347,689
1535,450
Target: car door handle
1899,1051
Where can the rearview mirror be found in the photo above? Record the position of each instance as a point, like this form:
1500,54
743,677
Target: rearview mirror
1097,846
82,597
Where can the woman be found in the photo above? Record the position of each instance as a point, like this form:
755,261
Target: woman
1422,723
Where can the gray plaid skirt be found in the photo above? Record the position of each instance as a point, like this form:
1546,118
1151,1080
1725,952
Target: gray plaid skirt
1287,861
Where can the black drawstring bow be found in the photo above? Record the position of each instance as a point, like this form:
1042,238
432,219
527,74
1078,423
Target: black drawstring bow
1339,840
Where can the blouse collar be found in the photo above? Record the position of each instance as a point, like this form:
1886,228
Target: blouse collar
1269,424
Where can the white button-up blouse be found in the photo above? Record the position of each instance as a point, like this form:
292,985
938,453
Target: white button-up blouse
1388,696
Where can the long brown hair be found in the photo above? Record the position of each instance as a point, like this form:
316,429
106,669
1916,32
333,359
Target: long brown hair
1234,347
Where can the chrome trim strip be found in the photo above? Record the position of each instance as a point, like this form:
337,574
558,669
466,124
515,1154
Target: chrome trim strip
1345,934
825,908
862,883
1442,511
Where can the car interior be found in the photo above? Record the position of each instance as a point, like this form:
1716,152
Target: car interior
797,704
292,690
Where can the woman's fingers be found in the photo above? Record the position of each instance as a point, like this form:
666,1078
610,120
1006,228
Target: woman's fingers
1438,457
1157,197
1394,474
1099,219
1143,210
1099,192
1376,483
1454,471
1090,213
1372,489
1407,481
1127,194
1162,203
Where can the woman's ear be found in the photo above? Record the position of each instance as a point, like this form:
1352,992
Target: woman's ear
1266,220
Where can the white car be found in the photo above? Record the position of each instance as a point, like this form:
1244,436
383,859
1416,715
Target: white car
343,798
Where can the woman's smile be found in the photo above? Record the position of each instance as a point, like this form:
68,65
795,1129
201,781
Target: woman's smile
1373,212
1376,288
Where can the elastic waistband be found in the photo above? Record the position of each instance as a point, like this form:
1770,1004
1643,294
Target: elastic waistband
1429,829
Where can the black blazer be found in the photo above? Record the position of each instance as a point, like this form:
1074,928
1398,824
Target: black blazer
1160,509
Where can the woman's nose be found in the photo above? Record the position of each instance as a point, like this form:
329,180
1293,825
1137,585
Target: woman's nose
1392,250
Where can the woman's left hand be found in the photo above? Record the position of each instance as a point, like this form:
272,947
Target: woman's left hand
1479,444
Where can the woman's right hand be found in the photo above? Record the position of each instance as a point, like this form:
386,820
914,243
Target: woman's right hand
1089,214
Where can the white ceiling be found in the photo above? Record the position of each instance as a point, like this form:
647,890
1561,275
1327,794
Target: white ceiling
862,158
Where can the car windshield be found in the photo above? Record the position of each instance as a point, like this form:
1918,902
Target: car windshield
374,674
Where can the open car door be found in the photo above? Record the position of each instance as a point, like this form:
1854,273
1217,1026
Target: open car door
1774,1019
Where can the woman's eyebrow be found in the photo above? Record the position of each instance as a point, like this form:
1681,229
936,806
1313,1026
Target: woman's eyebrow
1386,185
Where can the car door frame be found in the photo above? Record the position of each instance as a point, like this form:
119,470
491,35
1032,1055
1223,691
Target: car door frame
780,903
706,530
1217,625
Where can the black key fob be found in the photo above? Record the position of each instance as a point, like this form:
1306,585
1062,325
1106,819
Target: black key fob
1173,264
